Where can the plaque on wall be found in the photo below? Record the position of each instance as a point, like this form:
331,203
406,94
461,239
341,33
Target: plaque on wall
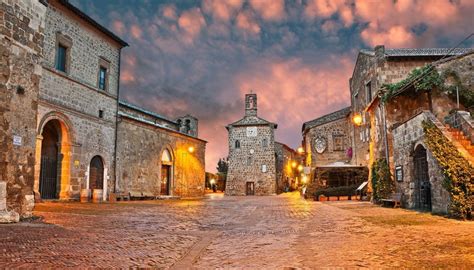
399,173
320,145
252,132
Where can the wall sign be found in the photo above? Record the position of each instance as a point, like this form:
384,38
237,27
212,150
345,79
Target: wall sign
16,140
399,173
320,145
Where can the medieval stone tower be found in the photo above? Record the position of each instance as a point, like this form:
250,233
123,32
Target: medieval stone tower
251,153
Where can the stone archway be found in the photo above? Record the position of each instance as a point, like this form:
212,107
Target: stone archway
166,173
422,179
53,158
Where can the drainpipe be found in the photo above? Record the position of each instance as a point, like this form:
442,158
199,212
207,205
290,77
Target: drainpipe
117,121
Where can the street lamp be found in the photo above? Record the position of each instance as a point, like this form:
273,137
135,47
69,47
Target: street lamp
191,149
300,167
294,164
357,119
300,150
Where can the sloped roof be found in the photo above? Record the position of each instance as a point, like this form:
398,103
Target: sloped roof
407,52
327,118
252,121
144,111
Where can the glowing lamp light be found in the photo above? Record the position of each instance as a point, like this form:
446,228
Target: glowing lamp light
300,150
304,179
300,167
293,164
191,149
357,119
213,181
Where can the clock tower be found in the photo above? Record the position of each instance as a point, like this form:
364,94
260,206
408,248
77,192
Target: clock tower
252,169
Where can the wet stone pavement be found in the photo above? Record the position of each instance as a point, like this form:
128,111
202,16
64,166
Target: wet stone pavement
273,232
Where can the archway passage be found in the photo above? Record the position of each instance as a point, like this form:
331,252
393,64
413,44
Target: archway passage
166,172
422,179
96,173
50,161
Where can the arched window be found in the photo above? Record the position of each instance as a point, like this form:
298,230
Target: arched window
237,144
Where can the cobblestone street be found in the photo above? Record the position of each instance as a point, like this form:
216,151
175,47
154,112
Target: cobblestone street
235,232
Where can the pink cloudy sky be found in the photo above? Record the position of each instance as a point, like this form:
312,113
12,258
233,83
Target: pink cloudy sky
201,57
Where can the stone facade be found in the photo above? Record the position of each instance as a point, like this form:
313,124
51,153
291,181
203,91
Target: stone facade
73,112
22,29
288,176
374,68
252,164
143,137
408,137
328,139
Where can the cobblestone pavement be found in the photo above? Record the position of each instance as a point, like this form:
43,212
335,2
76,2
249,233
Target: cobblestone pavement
274,232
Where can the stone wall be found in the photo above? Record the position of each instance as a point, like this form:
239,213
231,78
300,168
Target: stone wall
329,131
85,115
140,146
21,40
87,47
406,137
246,163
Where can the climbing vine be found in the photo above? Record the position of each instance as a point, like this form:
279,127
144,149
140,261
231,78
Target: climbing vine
458,173
427,78
382,181
423,79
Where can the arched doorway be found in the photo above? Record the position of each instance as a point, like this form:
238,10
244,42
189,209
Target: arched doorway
50,183
166,172
96,173
422,179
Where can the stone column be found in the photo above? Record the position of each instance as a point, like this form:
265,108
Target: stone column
5,215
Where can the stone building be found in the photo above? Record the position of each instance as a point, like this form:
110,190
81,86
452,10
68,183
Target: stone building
157,155
22,28
59,107
372,70
288,168
252,164
419,176
327,139
77,106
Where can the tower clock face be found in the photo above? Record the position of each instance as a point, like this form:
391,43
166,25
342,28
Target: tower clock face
320,145
251,131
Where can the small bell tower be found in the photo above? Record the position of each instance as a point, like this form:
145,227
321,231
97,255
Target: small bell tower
251,104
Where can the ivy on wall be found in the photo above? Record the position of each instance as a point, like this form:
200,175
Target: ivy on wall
458,173
427,78
382,181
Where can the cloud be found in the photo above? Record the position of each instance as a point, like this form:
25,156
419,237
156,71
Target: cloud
222,10
169,12
118,27
323,9
191,22
246,22
304,91
269,10
136,31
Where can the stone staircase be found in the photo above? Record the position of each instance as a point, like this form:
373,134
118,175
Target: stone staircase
460,137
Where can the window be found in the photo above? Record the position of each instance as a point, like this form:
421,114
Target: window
338,141
61,58
101,114
102,77
368,89
249,161
237,144
264,143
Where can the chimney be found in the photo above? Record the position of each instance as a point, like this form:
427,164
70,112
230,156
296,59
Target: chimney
251,104
379,50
